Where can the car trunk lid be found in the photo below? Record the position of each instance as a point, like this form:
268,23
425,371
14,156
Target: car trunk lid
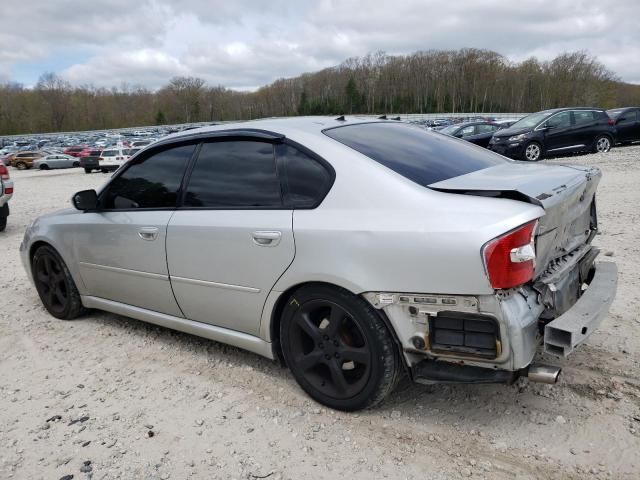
566,193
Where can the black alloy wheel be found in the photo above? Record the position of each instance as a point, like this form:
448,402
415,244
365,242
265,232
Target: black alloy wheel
55,285
338,348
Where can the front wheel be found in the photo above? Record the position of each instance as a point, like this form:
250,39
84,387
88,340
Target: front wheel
55,285
533,152
602,144
44,167
3,223
338,348
21,166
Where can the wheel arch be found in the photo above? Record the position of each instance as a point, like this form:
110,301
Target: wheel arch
282,299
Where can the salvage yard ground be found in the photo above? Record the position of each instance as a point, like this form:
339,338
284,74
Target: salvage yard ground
108,397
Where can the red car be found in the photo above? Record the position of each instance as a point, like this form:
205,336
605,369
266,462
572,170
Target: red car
77,151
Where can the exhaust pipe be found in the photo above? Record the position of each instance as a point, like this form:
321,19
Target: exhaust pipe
543,373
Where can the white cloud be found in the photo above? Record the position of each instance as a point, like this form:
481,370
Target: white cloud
247,43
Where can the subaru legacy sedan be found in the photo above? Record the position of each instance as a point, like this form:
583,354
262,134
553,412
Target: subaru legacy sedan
354,251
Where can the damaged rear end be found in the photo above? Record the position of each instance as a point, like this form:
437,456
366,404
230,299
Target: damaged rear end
552,258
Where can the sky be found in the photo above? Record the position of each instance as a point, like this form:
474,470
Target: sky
244,44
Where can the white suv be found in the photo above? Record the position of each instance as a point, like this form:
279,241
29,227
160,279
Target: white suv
112,159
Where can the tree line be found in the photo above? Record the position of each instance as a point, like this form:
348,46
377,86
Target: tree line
467,80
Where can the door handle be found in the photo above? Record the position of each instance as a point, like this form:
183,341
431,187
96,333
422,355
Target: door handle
266,238
148,233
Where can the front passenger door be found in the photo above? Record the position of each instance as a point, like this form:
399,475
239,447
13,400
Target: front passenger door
559,132
121,247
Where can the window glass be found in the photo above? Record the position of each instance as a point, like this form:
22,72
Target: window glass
560,120
109,153
414,153
582,117
234,174
307,180
629,116
467,131
151,182
486,128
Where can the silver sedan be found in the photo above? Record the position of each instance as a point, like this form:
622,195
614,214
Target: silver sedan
56,160
354,251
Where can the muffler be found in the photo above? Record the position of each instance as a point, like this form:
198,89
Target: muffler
543,373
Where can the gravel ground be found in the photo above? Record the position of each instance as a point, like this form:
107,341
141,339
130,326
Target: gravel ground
109,397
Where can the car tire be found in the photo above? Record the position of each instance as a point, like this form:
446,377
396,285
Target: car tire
532,152
104,170
75,164
602,144
88,170
44,167
3,223
338,348
21,165
55,285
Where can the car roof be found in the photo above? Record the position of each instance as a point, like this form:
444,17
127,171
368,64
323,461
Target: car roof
564,109
282,125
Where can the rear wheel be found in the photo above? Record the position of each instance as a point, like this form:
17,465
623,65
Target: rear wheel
21,166
75,164
87,170
55,285
3,223
44,167
533,152
338,348
602,144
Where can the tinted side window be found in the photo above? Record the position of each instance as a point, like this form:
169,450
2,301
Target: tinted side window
234,174
467,131
583,118
486,128
414,153
150,182
560,120
306,180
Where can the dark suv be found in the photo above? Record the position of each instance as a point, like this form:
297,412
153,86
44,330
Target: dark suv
561,130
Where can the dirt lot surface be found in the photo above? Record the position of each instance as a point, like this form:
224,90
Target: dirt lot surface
109,397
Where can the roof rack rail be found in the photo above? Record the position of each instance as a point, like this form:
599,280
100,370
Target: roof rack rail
382,117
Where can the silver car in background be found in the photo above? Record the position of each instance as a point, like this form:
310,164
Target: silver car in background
355,251
56,160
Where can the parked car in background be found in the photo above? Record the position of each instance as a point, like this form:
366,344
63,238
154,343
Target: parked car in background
112,159
24,160
78,151
478,132
6,192
58,160
91,162
627,121
6,159
355,250
561,130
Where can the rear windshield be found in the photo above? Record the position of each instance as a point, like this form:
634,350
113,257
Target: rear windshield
414,153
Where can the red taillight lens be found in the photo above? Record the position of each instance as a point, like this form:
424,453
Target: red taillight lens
4,172
612,121
510,259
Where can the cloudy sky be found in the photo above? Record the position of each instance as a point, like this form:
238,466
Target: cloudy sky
247,43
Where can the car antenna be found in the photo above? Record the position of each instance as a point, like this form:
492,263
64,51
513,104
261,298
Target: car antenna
341,118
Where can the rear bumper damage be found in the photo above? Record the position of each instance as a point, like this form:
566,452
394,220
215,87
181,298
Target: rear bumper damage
565,333
494,338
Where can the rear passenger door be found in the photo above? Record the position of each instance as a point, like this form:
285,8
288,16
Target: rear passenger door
232,238
628,126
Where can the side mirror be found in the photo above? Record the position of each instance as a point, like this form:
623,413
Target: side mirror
85,200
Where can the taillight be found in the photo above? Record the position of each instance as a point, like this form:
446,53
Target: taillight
510,259
611,121
4,172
